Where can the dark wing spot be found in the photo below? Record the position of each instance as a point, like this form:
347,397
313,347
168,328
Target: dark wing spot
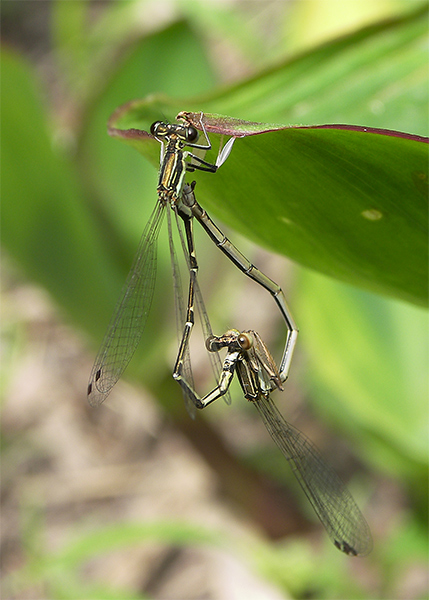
346,548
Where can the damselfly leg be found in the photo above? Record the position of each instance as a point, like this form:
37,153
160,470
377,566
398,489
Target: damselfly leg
258,375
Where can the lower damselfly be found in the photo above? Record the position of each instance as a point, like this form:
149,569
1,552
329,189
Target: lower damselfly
248,357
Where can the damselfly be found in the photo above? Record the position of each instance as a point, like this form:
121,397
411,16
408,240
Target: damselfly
257,372
129,318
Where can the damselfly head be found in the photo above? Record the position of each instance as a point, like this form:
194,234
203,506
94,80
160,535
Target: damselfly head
187,133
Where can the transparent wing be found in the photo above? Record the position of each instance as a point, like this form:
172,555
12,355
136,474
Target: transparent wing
129,318
215,360
267,366
327,494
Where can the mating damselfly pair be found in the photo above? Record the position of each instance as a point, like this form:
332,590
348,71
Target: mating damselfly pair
247,354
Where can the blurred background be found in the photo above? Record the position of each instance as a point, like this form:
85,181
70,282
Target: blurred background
136,500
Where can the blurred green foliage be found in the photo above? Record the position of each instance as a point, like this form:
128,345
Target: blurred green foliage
75,203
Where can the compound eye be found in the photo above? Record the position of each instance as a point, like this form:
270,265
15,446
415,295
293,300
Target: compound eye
245,341
155,126
191,134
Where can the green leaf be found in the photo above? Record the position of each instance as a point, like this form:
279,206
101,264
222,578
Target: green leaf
349,204
336,199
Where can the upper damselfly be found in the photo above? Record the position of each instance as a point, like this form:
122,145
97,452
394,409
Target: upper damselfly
129,318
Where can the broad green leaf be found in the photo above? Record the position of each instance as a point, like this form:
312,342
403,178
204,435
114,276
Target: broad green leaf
336,199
